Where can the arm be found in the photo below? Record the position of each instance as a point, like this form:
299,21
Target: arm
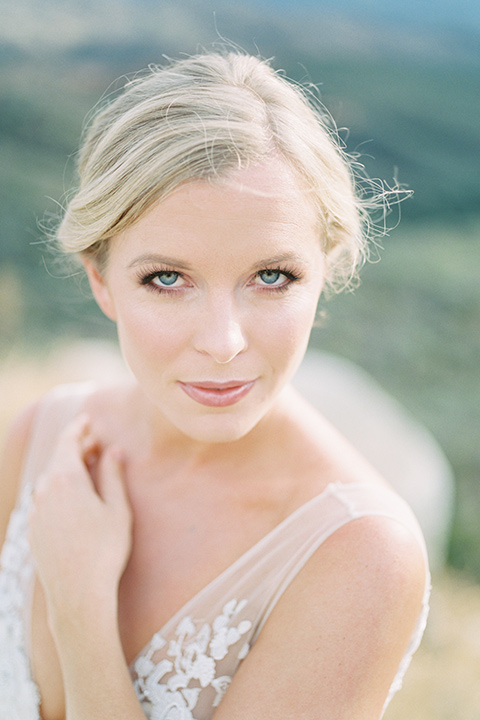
80,533
15,444
333,644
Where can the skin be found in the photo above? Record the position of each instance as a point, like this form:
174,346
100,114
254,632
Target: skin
134,481
219,321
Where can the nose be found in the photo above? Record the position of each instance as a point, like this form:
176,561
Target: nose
219,332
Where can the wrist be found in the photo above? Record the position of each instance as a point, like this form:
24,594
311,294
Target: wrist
92,616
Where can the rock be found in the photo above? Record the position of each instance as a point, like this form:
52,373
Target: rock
397,445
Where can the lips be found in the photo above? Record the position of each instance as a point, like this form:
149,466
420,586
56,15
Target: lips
217,394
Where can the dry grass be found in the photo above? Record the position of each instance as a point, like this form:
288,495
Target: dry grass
443,682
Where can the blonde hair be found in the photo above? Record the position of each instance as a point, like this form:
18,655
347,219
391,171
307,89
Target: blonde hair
201,118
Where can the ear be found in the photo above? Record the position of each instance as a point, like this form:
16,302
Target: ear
100,289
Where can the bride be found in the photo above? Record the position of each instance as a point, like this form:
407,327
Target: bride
197,541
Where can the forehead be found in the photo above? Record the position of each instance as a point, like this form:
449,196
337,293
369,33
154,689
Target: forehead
263,205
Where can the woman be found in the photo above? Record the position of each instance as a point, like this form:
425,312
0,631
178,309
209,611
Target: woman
197,542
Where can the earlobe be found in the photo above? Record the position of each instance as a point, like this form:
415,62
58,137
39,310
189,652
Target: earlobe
100,289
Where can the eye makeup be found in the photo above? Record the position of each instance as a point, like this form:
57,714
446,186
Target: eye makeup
167,281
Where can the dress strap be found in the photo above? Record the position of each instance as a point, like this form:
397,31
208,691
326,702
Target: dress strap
55,410
312,524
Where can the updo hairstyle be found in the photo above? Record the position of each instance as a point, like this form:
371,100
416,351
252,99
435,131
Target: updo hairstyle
202,118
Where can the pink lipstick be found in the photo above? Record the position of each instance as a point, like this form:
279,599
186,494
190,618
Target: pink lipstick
217,394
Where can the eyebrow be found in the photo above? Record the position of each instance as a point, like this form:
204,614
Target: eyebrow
276,259
162,259
165,260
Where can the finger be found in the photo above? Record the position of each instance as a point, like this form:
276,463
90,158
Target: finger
88,442
78,427
74,443
111,477
90,450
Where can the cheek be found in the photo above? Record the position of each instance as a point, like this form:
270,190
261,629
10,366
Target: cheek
288,329
143,332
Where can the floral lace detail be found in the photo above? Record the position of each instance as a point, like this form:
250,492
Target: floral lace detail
170,689
19,697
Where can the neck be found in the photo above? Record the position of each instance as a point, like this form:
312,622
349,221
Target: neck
164,441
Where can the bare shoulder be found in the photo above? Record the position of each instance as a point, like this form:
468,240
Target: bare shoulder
109,397
111,408
320,454
14,448
100,400
16,440
382,562
338,634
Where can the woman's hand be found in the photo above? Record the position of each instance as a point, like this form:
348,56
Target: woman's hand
80,527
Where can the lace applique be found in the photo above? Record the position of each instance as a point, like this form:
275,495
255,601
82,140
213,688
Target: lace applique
170,688
19,697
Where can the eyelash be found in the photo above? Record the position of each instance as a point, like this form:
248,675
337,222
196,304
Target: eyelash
291,275
145,278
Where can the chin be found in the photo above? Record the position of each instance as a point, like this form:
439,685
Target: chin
213,429
213,425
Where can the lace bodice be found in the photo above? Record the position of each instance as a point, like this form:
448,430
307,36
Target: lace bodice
184,671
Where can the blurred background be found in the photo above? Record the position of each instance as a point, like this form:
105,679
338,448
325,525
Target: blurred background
402,81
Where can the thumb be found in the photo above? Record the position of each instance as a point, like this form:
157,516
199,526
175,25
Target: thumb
111,478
